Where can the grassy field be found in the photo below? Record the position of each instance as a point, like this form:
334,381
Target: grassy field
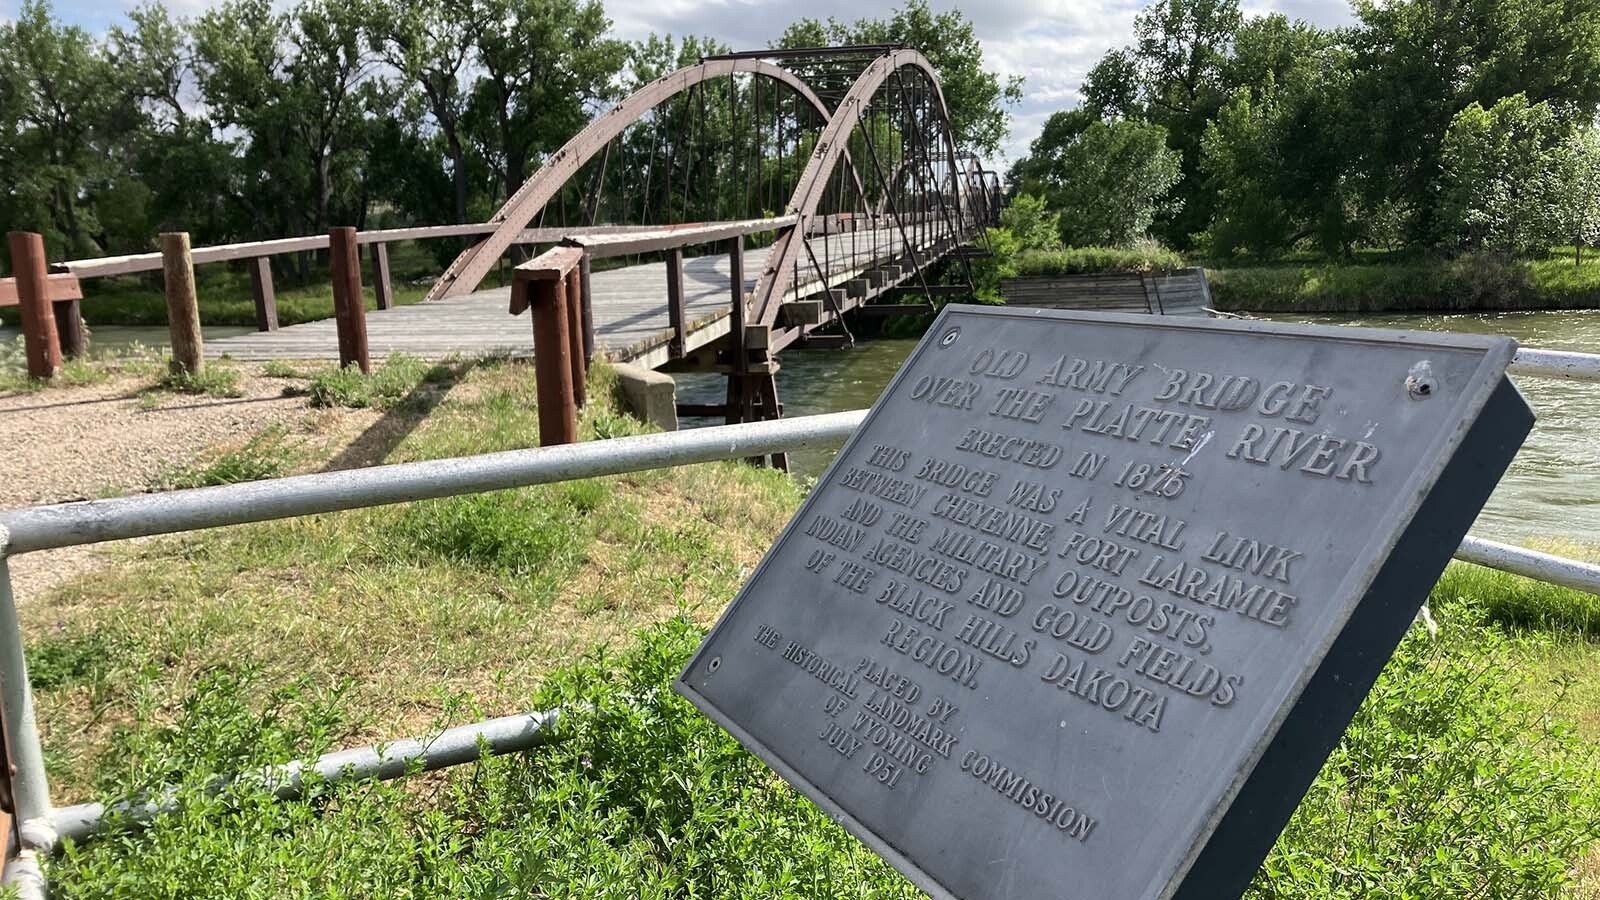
1469,772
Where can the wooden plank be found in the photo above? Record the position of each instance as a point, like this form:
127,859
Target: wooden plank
382,288
678,236
349,309
262,292
60,286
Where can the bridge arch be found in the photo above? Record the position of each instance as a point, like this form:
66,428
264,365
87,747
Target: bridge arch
777,275
469,268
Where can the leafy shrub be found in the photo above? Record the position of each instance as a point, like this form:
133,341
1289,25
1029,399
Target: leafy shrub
384,388
1471,282
1448,783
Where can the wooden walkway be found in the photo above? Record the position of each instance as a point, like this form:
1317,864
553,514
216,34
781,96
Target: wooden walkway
630,310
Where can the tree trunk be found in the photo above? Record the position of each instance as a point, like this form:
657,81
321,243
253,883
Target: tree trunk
458,173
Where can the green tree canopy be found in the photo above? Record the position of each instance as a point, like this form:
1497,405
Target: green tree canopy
978,98
1108,180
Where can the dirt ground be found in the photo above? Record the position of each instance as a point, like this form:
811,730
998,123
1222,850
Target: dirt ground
64,444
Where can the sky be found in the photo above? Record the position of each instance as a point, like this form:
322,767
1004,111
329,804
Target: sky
1051,43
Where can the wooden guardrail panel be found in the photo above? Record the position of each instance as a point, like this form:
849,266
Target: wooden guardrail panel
61,286
1179,291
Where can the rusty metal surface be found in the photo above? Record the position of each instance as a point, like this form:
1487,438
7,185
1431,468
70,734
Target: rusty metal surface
468,269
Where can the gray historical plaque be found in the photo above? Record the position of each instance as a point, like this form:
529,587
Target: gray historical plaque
1084,605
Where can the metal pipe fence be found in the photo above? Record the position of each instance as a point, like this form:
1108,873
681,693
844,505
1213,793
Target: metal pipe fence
94,521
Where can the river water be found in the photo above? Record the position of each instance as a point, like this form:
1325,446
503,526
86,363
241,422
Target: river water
1552,491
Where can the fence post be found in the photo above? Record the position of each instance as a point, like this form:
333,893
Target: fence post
382,288
549,285
70,333
588,309
573,284
349,310
262,293
676,314
183,307
33,296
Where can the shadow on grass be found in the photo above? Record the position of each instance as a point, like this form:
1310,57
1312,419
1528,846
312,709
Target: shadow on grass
374,445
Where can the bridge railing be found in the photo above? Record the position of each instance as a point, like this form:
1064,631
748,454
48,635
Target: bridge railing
41,825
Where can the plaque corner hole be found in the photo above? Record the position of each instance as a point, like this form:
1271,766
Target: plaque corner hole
715,664
949,337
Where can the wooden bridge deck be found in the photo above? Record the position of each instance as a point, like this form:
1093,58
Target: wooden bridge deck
629,308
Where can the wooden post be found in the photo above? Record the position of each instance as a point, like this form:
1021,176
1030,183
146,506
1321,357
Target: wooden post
349,312
262,293
558,411
548,285
70,333
574,290
39,336
676,314
588,309
739,401
381,286
183,307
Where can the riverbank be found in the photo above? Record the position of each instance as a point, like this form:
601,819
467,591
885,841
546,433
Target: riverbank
1465,284
180,657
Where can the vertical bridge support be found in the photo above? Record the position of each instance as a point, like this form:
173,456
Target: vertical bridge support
552,285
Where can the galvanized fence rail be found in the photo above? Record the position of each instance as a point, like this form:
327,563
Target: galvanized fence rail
95,521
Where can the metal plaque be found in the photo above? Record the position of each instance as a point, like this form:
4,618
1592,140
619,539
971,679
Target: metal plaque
1082,608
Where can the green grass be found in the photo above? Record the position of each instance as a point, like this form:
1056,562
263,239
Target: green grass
1408,284
388,384
265,455
1089,260
213,380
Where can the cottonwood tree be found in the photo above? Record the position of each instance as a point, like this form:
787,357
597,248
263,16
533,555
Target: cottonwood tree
978,98
545,65
1108,180
429,44
1501,184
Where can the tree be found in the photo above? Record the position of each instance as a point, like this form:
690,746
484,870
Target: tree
1275,157
1419,63
1579,193
1108,180
1500,182
1032,222
294,88
427,43
979,100
1172,75
546,66
57,101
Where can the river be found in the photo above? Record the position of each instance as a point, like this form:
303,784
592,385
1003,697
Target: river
1551,493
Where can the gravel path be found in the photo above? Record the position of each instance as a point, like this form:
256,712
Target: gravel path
80,443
